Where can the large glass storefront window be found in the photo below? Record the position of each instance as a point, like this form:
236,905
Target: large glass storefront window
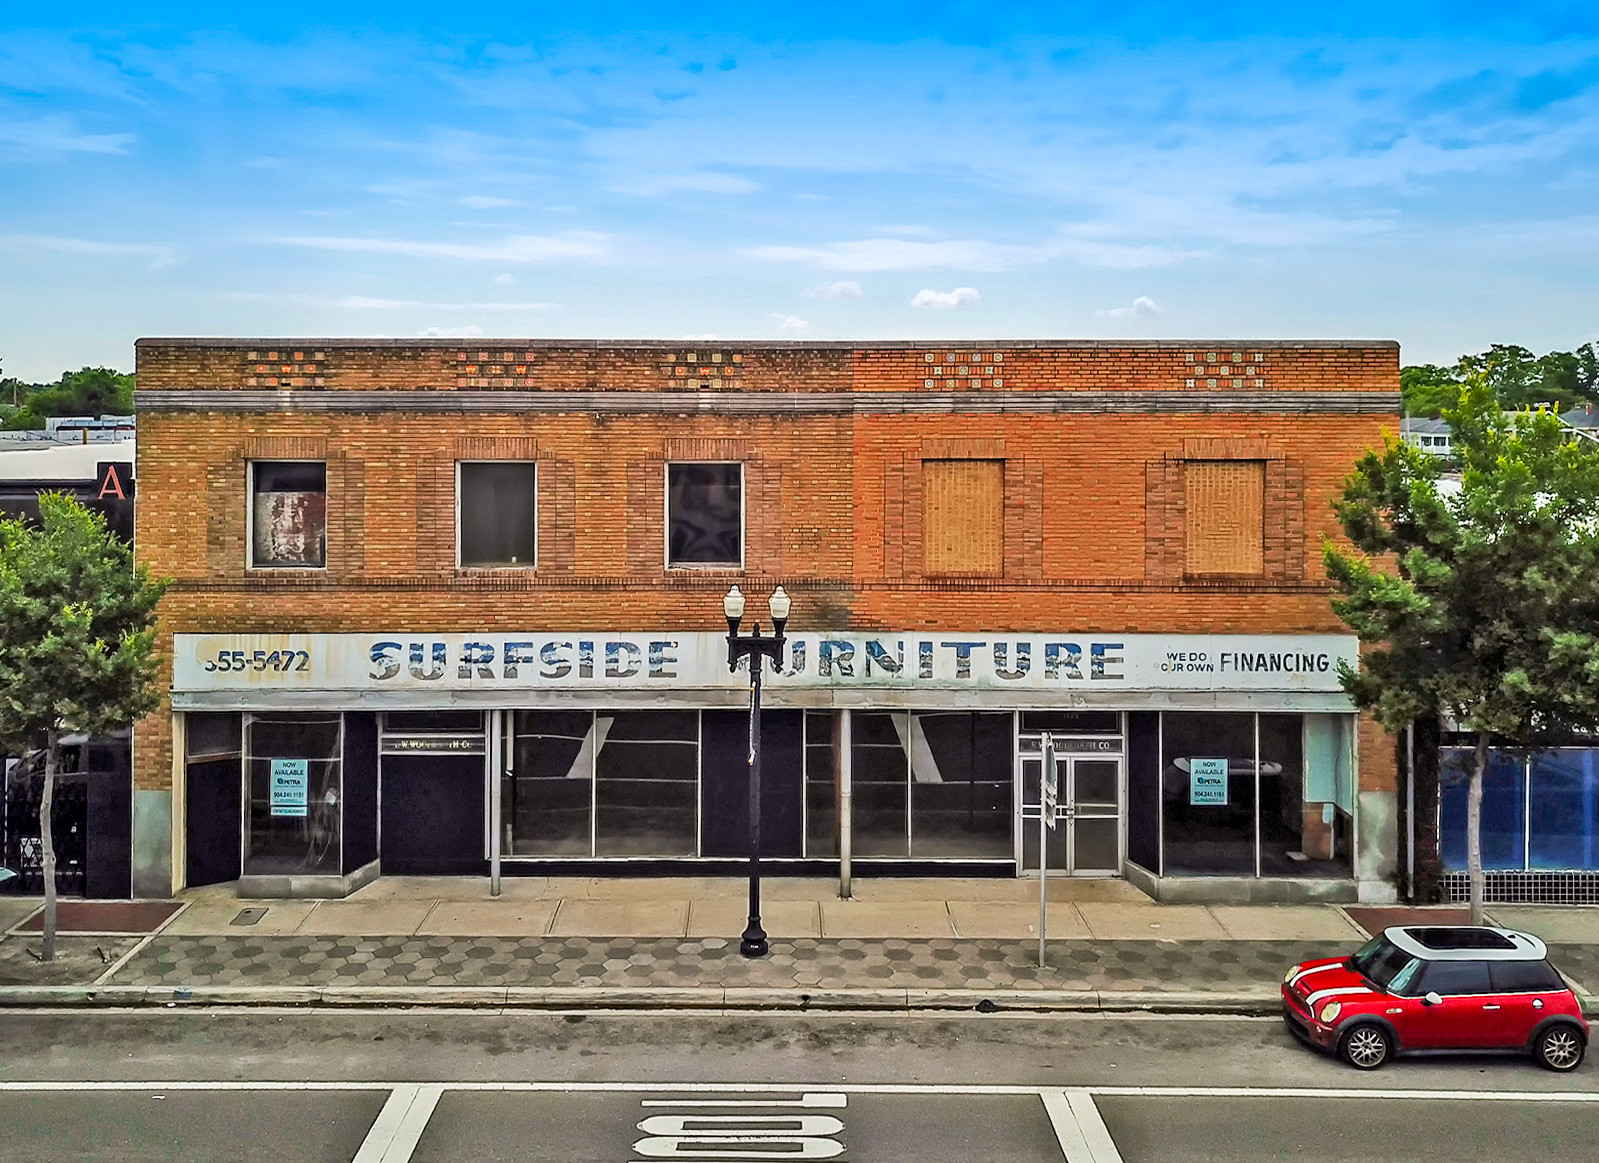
294,790
549,798
646,783
1242,794
821,783
1538,813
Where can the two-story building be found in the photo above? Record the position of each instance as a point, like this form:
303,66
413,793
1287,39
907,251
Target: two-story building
443,605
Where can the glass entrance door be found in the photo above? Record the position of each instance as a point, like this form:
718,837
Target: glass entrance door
1087,837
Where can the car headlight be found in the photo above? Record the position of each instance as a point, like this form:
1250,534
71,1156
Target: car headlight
1289,976
1330,1012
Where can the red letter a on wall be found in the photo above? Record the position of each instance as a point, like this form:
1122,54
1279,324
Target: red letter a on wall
111,484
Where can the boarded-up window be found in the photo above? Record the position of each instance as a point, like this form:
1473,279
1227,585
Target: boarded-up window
1225,510
288,514
963,505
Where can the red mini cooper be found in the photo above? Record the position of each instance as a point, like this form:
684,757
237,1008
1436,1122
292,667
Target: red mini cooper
1437,988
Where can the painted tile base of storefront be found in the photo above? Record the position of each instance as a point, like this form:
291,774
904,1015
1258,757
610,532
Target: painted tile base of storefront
1212,890
308,887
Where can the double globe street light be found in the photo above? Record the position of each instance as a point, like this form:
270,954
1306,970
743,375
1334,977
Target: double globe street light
756,647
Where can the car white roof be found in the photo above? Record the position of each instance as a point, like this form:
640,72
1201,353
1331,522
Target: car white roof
1524,946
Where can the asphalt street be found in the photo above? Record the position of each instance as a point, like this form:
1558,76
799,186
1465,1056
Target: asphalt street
393,1087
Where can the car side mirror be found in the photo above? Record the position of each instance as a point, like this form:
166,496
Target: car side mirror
1431,998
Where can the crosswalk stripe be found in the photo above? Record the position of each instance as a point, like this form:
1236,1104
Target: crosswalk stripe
399,1125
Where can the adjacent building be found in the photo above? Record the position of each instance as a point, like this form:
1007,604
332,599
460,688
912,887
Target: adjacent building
440,607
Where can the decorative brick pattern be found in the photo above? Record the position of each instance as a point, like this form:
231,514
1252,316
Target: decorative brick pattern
286,367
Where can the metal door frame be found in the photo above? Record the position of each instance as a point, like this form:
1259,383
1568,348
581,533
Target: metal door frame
1027,815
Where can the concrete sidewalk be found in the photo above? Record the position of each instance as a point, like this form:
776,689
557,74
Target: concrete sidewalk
608,943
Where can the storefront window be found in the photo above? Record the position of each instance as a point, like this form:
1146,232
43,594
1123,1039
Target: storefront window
961,798
1208,791
294,787
549,796
821,783
1504,792
1563,820
646,783
878,790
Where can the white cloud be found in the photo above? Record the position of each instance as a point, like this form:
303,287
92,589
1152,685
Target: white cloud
367,303
504,278
472,331
899,254
791,324
515,248
1143,307
704,183
484,202
846,289
159,256
945,300
57,134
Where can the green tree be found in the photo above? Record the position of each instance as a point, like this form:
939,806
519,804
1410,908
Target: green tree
1426,389
77,640
1479,603
90,391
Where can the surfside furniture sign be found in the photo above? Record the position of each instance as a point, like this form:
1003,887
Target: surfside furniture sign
588,659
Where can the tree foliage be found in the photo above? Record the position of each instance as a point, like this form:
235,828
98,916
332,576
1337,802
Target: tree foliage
90,391
1517,378
1480,603
77,640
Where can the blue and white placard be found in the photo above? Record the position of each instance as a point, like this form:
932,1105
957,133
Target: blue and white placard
290,787
1207,782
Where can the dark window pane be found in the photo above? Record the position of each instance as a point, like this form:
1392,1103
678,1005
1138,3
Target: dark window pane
705,508
1072,722
498,513
877,786
294,788
647,783
1143,789
821,784
455,722
961,785
549,793
1523,976
213,735
1208,837
288,514
1453,978
1503,804
1564,820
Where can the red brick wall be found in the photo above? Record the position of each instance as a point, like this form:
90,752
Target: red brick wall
833,498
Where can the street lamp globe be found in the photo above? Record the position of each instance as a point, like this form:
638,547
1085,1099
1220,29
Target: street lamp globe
780,605
733,604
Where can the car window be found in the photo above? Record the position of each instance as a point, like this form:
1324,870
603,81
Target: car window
1379,960
1453,978
1405,979
1523,976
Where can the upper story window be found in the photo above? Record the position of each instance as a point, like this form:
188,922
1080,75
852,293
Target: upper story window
1225,507
288,514
963,522
704,514
497,518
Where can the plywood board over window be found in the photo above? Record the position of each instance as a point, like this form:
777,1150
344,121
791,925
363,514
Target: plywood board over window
1225,504
963,526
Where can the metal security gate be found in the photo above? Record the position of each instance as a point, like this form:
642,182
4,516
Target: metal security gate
23,851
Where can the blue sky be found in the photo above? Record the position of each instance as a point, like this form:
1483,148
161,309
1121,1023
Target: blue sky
1424,171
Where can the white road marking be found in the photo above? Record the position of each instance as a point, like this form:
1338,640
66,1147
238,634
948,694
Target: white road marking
399,1125
1082,1134
831,1101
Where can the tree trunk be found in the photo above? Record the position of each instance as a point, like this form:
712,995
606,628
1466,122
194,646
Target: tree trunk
1474,827
48,842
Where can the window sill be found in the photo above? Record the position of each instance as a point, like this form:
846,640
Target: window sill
705,567
480,570
281,570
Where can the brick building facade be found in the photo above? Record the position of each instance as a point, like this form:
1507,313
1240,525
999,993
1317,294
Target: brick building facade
436,604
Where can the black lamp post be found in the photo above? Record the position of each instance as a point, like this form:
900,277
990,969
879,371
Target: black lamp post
757,649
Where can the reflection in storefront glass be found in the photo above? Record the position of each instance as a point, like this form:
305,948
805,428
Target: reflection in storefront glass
294,780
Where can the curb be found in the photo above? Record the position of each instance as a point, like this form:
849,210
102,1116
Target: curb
715,998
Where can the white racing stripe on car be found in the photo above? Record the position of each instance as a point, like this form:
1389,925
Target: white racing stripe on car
1321,993
1304,973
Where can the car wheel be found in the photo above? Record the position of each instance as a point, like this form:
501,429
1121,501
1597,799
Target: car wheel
1366,1047
1559,1047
